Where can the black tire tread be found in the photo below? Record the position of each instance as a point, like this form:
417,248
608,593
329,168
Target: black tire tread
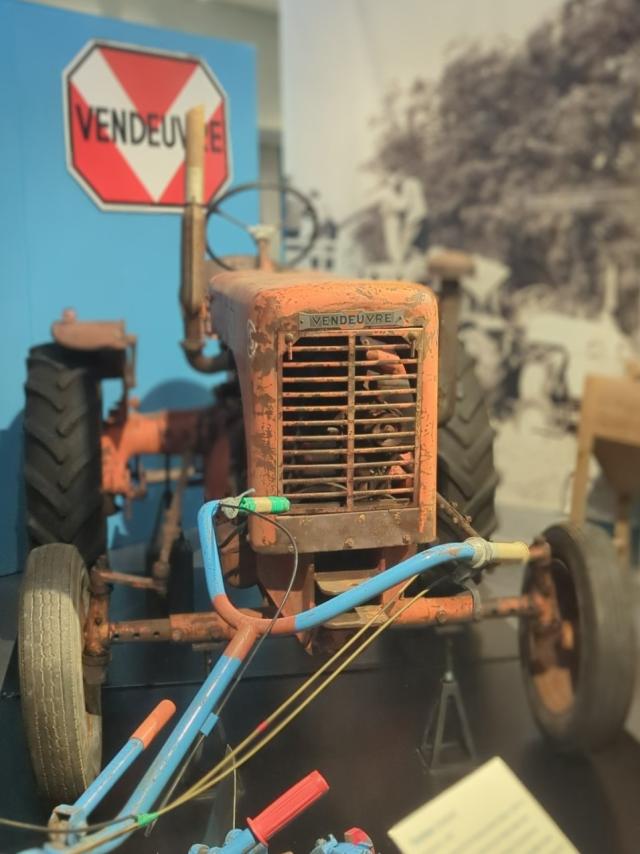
62,451
64,757
466,471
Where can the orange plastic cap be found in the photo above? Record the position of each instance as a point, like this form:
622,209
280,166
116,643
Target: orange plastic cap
153,723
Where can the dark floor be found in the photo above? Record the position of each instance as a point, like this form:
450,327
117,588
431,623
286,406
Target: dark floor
361,734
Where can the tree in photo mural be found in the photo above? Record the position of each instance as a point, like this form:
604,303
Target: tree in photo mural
528,157
531,154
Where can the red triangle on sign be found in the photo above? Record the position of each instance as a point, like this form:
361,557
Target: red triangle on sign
152,82
103,166
174,191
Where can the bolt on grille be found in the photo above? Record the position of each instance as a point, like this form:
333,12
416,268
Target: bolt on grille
349,419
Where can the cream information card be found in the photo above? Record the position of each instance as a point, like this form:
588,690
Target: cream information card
488,812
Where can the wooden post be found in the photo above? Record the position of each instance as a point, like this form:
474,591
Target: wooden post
622,530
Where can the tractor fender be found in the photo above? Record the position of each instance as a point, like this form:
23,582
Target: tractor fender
107,338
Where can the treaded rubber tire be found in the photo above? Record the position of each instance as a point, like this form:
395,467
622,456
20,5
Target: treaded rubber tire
62,453
605,666
61,714
466,473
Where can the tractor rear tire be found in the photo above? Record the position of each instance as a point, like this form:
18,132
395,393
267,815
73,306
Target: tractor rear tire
467,476
579,673
61,712
62,453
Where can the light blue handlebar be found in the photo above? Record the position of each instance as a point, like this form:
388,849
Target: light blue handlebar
199,716
346,601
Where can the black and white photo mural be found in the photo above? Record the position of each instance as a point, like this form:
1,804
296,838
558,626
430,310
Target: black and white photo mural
510,131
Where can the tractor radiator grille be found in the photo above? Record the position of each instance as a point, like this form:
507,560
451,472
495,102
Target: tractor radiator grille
349,419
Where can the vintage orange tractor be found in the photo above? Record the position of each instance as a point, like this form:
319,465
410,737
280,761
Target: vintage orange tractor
350,399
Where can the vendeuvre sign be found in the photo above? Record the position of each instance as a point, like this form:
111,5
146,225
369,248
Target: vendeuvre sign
125,125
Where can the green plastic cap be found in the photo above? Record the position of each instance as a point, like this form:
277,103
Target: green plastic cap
266,504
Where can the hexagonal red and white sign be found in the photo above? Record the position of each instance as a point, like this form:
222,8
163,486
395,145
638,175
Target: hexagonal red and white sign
125,123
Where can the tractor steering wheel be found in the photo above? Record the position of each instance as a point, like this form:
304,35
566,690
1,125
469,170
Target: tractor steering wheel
306,206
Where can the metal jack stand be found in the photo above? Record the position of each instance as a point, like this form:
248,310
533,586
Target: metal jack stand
433,744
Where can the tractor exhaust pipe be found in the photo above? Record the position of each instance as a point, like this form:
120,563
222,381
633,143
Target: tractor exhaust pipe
193,271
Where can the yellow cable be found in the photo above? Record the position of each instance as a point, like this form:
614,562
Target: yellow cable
90,844
206,783
209,780
199,788
281,708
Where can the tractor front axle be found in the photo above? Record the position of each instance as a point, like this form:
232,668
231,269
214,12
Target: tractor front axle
210,627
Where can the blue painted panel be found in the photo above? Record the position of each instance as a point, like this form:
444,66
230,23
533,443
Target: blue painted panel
58,249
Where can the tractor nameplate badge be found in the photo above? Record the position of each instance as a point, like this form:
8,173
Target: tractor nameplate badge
340,319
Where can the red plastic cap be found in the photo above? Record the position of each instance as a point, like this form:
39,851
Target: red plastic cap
357,836
288,806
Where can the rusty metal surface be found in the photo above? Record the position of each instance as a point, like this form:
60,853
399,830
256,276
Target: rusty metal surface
128,434
193,272
350,419
246,285
461,608
90,334
440,611
540,551
509,606
257,315
209,626
113,348
347,530
193,281
139,582
224,459
452,516
274,573
552,652
97,619
179,628
171,527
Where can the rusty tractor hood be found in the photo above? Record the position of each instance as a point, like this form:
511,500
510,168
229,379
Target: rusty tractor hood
297,300
261,316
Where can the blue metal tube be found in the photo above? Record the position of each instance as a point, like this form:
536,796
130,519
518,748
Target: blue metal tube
345,601
239,842
198,716
209,546
236,842
377,584
182,736
173,752
105,781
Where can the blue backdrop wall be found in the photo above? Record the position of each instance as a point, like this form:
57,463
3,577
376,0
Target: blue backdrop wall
58,249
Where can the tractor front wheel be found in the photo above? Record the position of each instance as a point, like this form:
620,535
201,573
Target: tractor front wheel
60,711
578,658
